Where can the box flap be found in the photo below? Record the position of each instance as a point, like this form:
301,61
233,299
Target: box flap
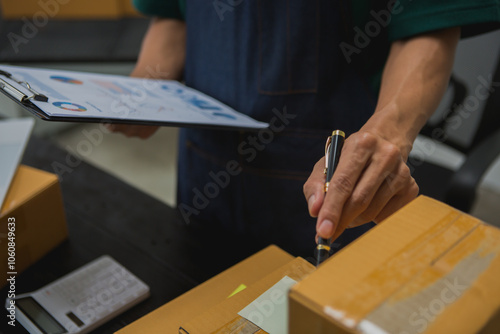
408,270
170,316
27,183
222,316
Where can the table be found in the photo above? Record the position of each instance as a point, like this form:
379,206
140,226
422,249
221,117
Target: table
107,216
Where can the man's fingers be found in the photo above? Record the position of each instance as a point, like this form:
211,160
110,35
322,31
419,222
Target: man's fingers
130,130
398,201
314,188
371,192
370,182
110,126
395,182
120,128
355,155
394,193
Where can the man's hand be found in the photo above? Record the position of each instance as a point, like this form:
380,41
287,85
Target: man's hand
131,130
370,182
372,179
162,56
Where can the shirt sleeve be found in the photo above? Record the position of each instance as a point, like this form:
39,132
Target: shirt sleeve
161,8
413,17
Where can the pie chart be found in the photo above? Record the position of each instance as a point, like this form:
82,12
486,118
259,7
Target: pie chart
70,106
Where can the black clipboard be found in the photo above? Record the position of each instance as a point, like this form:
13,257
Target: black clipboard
25,100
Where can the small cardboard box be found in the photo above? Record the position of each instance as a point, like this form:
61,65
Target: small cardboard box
32,220
169,317
427,269
223,318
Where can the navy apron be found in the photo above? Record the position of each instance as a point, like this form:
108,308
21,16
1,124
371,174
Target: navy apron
276,61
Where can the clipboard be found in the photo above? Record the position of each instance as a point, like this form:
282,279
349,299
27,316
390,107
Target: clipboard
69,96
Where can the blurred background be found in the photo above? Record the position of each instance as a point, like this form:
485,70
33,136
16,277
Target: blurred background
101,36
455,159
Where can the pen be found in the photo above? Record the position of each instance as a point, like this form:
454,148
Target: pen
333,147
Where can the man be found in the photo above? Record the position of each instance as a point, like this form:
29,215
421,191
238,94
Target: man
307,67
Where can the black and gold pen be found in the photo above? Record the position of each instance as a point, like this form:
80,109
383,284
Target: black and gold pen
333,147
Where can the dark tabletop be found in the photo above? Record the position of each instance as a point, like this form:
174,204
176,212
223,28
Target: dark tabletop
106,216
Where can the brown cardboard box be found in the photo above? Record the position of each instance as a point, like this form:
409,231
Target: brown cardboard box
169,317
33,214
223,318
41,10
427,269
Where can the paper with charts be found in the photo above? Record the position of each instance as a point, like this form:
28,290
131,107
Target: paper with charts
90,96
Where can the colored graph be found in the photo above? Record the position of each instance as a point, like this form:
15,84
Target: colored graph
224,115
70,106
66,80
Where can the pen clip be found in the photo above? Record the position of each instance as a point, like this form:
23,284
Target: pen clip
327,151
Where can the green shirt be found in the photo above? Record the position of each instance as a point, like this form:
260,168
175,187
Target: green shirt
174,9
409,17
419,16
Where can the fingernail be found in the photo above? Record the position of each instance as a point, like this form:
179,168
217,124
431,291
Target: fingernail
326,229
310,202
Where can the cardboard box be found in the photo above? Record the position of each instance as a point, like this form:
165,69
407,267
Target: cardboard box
223,318
426,269
169,317
33,214
41,10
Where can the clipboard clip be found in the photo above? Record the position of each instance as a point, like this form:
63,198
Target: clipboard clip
16,93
